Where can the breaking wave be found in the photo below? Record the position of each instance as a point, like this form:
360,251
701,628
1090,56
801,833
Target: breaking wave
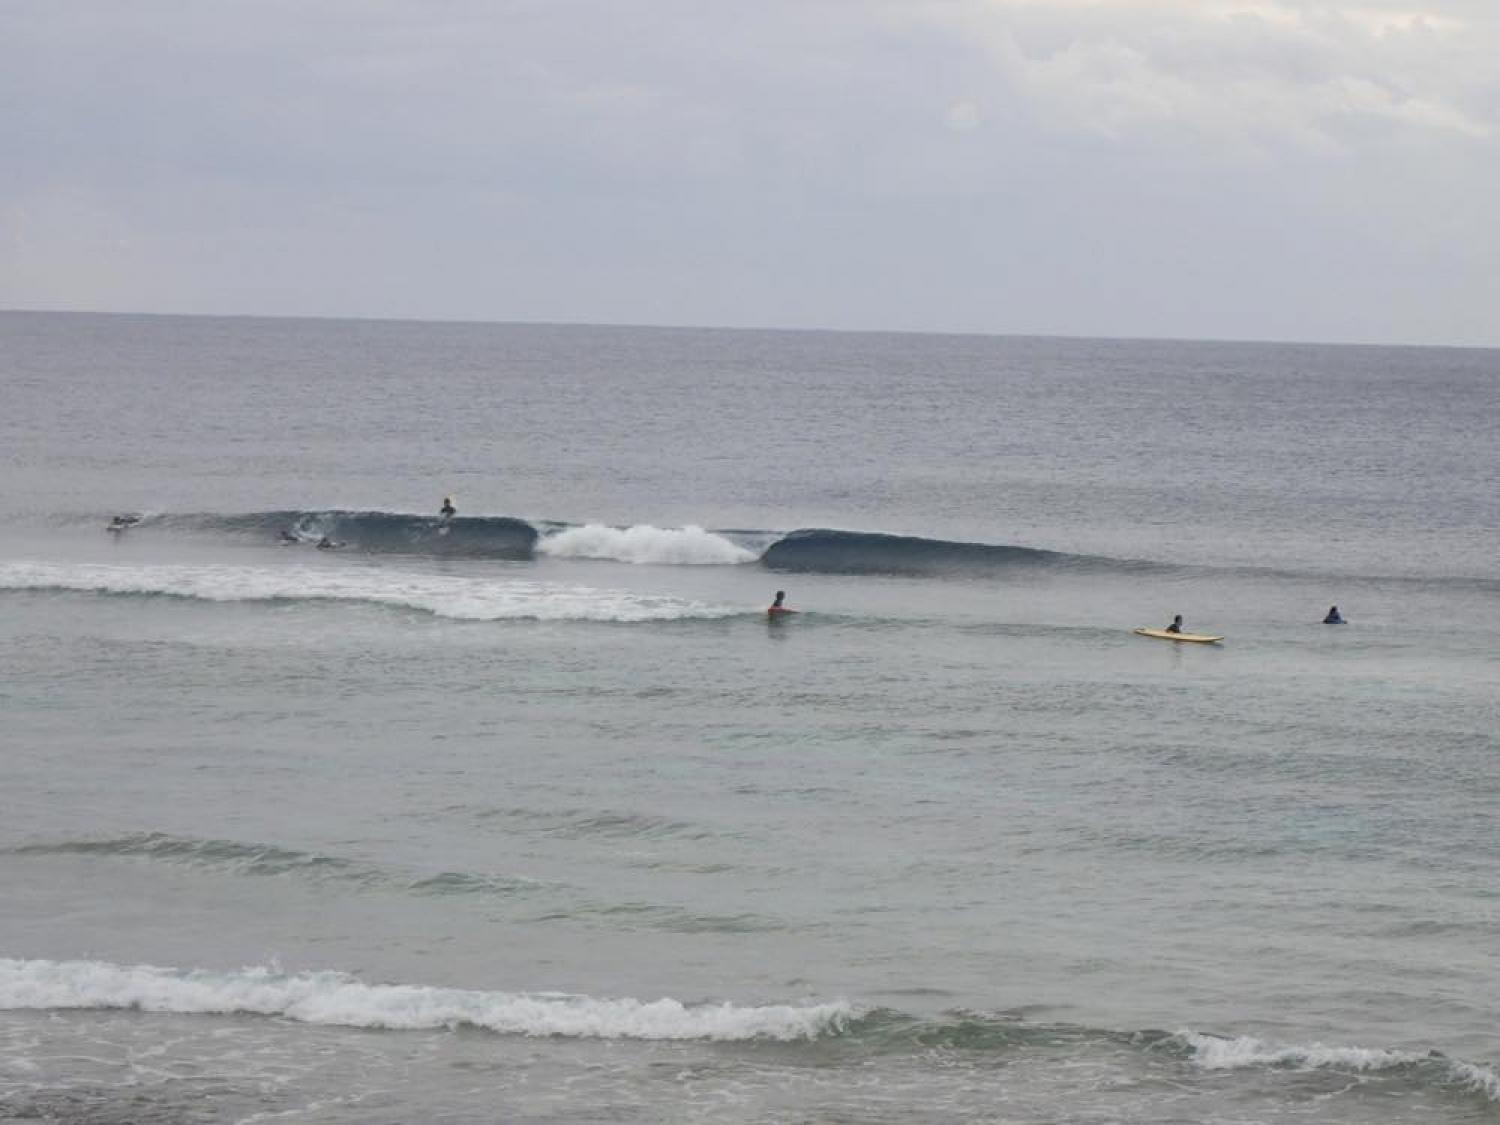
1214,1052
342,1000
463,598
807,550
811,550
679,546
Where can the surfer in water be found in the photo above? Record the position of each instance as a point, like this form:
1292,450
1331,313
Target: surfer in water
447,511
122,523
287,537
1334,617
327,544
779,608
1176,626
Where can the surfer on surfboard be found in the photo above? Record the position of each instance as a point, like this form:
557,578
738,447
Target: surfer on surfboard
447,511
1176,626
778,608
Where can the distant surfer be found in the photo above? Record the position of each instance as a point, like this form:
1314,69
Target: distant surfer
1334,617
122,523
327,544
287,537
779,608
1176,626
447,511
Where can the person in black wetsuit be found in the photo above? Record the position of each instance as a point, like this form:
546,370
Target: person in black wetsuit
447,511
1334,617
1176,626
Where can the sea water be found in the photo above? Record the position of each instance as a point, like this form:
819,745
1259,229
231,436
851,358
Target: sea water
534,815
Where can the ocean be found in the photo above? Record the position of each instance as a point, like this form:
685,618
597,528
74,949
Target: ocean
534,815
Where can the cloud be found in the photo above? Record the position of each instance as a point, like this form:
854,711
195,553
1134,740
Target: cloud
1237,73
1083,166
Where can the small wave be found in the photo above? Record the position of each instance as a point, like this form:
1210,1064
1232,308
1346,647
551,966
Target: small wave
824,551
221,855
675,546
584,823
458,597
463,883
1214,1053
342,1000
1218,1053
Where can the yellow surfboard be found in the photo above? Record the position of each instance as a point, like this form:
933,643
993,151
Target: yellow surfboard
1192,638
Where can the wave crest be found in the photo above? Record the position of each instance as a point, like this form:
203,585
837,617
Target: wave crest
342,1000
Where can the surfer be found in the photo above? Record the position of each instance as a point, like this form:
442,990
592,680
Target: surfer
779,607
447,511
287,537
1333,618
327,544
1176,626
122,523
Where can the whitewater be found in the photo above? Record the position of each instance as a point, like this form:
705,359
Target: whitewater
458,597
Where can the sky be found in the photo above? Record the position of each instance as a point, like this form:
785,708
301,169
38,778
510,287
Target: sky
1220,169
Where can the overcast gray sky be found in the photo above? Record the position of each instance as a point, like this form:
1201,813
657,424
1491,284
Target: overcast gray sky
1254,169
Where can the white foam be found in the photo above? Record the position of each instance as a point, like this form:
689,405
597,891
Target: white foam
677,546
457,596
1214,1053
1480,1079
339,999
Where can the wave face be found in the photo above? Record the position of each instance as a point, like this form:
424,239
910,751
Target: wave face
808,550
461,598
678,546
341,1000
267,860
495,537
823,551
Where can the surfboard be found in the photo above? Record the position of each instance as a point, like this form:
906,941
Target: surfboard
1193,638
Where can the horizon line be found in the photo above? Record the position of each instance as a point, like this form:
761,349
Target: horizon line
471,321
